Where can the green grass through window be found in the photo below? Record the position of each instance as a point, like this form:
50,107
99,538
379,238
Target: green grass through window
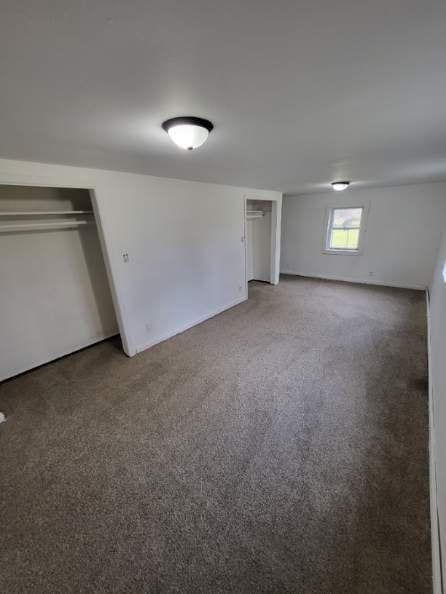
344,239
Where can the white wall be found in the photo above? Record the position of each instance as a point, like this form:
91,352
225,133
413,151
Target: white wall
402,235
183,239
437,376
55,297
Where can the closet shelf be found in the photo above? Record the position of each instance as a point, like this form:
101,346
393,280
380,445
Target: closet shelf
43,226
42,213
255,214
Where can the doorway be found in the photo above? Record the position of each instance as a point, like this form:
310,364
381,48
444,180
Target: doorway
262,245
258,240
55,295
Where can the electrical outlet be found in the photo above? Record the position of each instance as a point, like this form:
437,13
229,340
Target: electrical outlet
148,328
125,257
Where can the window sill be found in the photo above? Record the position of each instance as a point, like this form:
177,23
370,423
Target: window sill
342,252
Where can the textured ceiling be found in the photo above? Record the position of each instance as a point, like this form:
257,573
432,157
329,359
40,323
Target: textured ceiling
300,91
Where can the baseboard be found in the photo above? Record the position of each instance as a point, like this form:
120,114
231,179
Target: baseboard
435,533
55,356
189,325
349,279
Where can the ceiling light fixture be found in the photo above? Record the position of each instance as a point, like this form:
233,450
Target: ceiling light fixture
188,132
338,186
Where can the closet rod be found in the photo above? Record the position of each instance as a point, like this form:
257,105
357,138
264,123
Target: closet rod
43,226
38,213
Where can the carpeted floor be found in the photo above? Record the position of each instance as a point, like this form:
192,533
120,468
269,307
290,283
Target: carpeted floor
278,447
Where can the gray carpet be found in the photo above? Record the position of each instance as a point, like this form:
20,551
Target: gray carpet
279,447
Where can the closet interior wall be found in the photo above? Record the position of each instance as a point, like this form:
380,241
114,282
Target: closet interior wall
259,240
55,296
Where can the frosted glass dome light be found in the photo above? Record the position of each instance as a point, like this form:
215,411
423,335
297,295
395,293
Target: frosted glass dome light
188,132
338,186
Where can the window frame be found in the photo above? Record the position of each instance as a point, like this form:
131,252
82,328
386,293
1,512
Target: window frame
326,249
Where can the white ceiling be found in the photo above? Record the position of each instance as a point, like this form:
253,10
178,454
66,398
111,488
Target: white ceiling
300,91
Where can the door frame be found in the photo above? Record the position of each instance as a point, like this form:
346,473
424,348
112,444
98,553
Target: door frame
50,181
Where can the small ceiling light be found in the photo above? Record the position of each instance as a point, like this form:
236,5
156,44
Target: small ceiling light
188,132
338,186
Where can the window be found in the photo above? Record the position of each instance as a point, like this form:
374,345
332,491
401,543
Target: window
344,227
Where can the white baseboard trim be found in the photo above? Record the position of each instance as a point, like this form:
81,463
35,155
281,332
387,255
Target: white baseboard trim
349,279
435,528
54,356
189,325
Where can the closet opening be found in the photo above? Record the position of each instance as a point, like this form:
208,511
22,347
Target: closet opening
55,296
260,232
